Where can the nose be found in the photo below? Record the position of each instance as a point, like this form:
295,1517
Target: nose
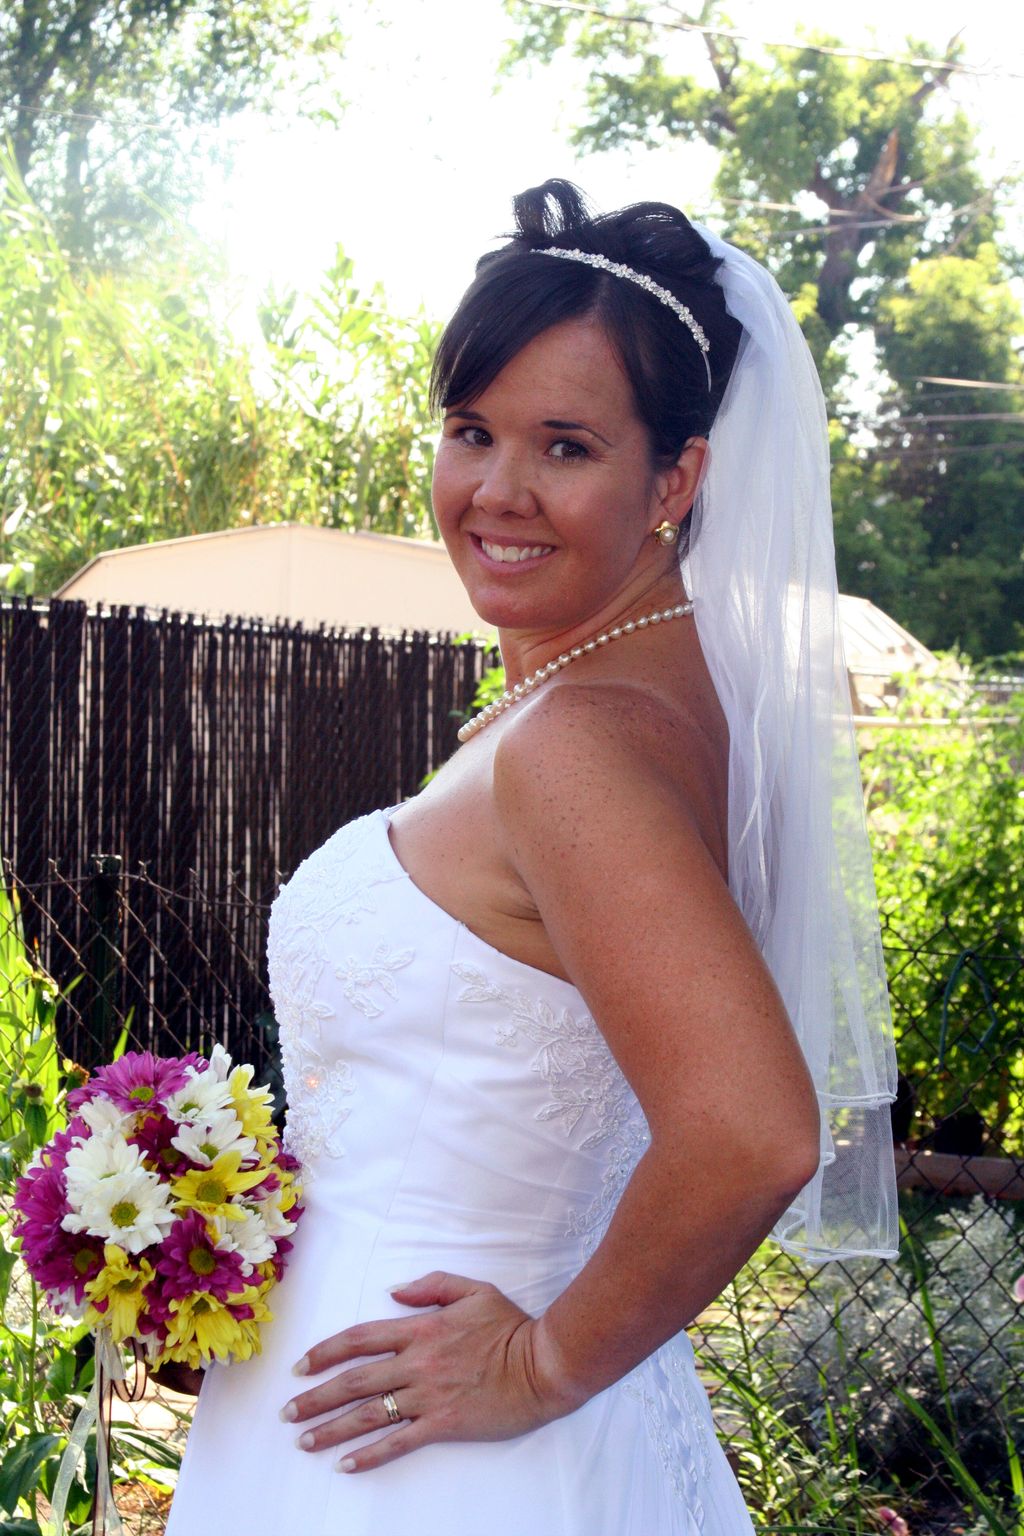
504,487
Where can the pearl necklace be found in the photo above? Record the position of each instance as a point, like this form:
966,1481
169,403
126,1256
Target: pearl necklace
520,690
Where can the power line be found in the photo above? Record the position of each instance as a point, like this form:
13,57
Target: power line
912,421
870,55
944,451
926,378
967,416
856,220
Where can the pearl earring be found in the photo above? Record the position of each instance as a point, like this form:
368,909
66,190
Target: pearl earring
666,532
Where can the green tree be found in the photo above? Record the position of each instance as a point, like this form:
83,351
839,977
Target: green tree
797,131
955,316
858,182
102,99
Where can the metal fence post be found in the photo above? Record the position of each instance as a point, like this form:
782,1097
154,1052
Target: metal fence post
101,958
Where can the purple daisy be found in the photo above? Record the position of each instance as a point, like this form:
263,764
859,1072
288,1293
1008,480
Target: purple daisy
57,1260
284,1246
137,1079
189,1260
153,1138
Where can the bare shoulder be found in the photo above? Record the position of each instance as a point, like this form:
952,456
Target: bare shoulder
592,751
598,806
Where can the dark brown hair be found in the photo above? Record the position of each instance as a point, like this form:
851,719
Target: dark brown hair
515,297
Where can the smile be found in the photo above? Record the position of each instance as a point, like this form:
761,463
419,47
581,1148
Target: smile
512,554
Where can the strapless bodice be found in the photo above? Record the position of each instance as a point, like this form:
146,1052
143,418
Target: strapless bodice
433,1077
455,1109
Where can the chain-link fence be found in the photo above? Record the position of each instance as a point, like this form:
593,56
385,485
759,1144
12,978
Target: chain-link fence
851,1396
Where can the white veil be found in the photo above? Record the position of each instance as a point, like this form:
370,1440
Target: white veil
761,569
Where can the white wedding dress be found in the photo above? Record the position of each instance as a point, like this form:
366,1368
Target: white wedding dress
454,1109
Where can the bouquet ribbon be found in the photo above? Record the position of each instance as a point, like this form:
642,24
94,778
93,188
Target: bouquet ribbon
109,1374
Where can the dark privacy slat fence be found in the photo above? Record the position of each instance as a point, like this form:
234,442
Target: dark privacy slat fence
210,758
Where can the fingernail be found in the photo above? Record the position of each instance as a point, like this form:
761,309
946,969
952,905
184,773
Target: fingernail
346,1464
301,1367
404,1286
307,1441
289,1411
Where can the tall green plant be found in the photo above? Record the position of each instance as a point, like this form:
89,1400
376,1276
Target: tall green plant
358,375
130,412
791,1483
822,1379
946,817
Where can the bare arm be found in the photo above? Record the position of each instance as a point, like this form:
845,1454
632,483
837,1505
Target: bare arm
609,848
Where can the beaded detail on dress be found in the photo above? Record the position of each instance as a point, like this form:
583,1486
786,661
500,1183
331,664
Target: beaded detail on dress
678,1419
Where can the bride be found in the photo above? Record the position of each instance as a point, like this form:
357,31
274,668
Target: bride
569,1033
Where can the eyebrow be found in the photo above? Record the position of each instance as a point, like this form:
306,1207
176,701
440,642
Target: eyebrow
559,426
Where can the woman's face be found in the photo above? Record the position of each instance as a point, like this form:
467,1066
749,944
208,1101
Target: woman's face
551,462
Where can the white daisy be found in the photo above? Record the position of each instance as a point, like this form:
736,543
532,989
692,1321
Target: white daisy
199,1098
249,1237
102,1114
130,1209
220,1064
206,1139
104,1155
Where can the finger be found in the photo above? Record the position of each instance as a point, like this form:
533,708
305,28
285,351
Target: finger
361,1420
378,1338
349,1386
439,1288
388,1448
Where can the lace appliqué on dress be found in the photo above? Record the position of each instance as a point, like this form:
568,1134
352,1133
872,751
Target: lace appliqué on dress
589,1091
678,1418
324,890
357,978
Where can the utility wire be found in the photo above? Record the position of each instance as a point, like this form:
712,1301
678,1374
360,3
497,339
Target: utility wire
871,55
926,378
943,451
967,416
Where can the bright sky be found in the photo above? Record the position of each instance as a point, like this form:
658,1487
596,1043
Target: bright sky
418,178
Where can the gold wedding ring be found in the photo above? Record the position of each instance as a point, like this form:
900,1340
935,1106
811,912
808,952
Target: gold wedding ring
388,1399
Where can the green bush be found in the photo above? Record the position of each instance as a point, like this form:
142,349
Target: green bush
945,810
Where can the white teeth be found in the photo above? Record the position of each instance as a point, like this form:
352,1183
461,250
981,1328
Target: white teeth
513,553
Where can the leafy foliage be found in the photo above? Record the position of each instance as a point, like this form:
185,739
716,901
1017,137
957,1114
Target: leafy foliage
42,1381
863,1346
946,815
129,412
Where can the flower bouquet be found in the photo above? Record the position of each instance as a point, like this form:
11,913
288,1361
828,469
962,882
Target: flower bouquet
161,1217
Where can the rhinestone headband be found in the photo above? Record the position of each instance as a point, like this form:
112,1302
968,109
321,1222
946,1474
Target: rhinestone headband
619,269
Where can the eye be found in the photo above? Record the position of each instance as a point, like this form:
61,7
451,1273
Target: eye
473,437
571,449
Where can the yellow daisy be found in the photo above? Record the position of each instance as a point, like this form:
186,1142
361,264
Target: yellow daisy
201,1327
209,1190
252,1105
121,1283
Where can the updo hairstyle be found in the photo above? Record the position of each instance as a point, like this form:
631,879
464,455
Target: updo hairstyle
514,297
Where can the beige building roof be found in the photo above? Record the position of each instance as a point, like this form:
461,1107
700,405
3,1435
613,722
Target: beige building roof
287,571
307,575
